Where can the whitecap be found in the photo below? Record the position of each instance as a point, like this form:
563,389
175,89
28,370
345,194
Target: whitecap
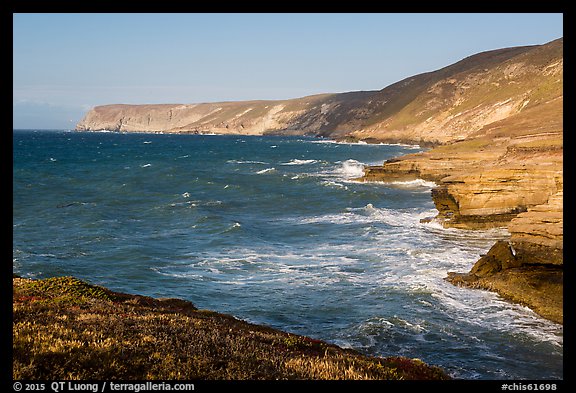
330,141
330,183
246,162
364,143
350,169
234,226
267,170
299,162
145,165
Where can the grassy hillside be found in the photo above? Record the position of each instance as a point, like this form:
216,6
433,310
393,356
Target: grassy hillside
459,100
441,106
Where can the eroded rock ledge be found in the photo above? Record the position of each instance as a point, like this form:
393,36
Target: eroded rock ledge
509,176
538,286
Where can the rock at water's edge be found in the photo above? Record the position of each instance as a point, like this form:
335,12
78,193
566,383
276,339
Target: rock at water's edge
538,287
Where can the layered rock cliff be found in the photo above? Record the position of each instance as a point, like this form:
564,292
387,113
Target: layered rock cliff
494,117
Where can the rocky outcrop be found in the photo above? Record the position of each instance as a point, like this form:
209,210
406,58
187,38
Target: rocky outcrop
539,287
537,235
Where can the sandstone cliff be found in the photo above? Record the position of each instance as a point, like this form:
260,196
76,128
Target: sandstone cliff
307,115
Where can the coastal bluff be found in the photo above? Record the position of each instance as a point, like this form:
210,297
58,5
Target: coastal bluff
68,329
494,121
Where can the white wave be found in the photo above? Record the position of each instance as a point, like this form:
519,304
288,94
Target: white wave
267,170
186,195
331,141
393,262
299,162
351,169
145,165
364,143
396,217
433,223
232,227
330,183
413,184
177,204
187,275
246,162
370,214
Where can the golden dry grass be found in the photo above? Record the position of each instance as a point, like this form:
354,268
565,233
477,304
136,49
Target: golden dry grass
65,328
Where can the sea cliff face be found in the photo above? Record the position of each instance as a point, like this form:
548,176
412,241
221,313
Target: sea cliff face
494,117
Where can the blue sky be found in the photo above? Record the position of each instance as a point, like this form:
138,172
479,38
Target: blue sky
66,63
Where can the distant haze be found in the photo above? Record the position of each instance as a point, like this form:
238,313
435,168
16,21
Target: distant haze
64,64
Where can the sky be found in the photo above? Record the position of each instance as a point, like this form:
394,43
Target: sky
64,64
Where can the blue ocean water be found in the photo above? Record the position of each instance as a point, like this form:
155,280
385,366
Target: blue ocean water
275,231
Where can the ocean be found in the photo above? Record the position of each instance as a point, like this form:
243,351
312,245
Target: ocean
275,231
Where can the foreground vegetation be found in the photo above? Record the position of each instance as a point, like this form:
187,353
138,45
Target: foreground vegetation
65,328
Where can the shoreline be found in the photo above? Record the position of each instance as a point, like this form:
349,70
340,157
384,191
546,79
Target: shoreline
479,188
